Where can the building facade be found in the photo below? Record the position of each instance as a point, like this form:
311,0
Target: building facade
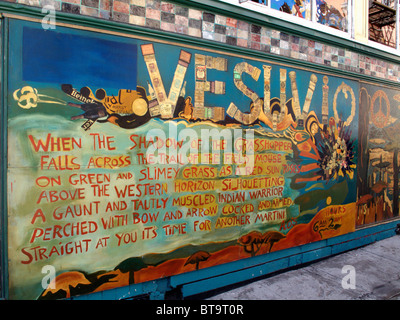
167,148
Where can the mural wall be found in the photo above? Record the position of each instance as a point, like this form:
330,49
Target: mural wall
378,168
130,160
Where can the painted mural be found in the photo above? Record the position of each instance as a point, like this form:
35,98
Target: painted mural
132,160
378,176
298,8
333,13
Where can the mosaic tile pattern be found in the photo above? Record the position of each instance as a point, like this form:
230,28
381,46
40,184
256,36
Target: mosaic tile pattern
173,18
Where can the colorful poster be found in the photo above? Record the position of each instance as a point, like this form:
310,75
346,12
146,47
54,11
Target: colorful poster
131,160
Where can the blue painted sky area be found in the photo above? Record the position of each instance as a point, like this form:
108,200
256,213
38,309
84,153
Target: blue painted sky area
59,57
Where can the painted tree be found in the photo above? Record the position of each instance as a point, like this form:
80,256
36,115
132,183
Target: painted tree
131,265
271,237
393,135
197,257
363,151
252,242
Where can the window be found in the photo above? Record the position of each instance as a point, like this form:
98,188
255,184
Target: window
298,8
371,22
333,13
330,13
382,22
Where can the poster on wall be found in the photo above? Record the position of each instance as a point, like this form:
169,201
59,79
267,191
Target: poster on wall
131,160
